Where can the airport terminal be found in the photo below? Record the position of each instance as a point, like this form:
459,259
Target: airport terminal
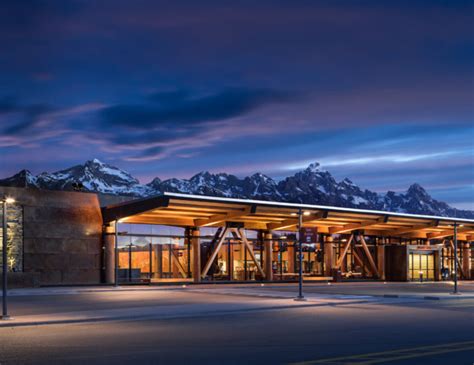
77,238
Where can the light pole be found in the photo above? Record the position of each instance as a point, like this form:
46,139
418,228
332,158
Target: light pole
455,238
300,296
116,261
5,201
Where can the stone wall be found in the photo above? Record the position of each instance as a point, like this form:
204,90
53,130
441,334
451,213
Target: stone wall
61,236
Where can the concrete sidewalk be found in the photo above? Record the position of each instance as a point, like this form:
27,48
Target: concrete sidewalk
175,311
427,290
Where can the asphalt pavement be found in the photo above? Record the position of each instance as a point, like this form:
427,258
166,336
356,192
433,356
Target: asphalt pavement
251,324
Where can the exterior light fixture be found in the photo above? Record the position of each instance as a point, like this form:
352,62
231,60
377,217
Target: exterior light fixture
294,214
6,200
306,213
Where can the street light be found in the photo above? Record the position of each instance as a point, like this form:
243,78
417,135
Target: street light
5,201
300,296
455,239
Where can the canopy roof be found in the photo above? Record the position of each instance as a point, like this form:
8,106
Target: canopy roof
206,211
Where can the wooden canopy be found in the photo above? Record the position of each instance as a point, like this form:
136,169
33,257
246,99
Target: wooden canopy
205,211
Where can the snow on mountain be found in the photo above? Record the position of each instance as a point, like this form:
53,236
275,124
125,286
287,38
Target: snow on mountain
94,176
311,186
22,179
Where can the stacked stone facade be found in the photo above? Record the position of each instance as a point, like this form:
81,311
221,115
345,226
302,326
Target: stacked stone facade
54,237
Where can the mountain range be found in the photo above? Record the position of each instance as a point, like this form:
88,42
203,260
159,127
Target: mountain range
312,185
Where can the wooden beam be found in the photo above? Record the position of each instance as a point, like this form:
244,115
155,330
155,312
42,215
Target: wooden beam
369,256
451,243
243,237
161,220
356,226
215,252
402,231
344,252
178,264
218,218
448,233
288,223
358,258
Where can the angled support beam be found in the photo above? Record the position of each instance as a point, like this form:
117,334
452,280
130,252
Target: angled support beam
451,243
369,256
218,218
402,231
356,226
290,223
178,264
215,252
243,237
357,257
344,252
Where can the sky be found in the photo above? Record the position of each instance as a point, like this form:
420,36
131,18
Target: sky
377,91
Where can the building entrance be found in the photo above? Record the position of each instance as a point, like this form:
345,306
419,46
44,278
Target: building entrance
421,266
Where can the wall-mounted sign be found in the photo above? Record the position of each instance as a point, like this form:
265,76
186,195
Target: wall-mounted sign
309,235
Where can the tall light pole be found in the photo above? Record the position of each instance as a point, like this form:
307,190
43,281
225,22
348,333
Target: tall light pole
116,261
5,201
300,296
455,238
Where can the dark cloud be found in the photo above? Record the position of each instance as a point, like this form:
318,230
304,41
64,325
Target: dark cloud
21,117
170,97
183,111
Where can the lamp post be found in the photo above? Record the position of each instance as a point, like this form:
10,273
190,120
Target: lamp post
5,201
455,238
300,296
116,261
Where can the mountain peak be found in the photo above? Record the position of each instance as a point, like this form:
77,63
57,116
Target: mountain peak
94,161
314,167
417,189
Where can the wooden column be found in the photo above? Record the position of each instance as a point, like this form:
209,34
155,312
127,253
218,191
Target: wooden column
291,257
466,261
328,256
381,261
109,247
268,251
158,261
196,253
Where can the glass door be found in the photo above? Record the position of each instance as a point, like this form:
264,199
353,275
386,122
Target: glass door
421,266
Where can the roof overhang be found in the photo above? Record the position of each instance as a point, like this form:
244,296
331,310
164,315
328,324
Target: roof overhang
205,211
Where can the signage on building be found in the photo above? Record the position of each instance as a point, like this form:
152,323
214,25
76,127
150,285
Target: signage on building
309,235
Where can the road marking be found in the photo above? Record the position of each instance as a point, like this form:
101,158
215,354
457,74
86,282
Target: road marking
386,356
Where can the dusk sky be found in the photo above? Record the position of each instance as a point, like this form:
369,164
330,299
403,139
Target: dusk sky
380,92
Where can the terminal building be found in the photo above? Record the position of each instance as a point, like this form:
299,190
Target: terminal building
76,238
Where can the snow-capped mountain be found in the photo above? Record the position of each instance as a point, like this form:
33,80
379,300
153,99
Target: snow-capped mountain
312,186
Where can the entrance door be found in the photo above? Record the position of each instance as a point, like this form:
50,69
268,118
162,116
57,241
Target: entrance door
421,266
